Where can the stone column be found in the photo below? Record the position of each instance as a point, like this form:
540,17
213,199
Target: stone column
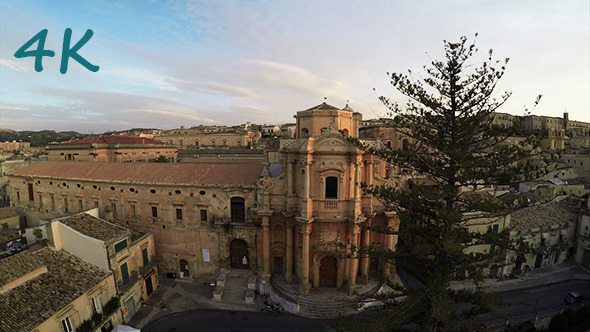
307,201
308,179
391,240
369,179
353,268
289,177
289,253
365,259
304,285
265,218
357,187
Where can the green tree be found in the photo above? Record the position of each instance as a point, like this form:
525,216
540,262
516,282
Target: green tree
38,232
448,120
162,159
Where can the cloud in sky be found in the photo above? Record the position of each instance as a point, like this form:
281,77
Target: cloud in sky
173,63
13,65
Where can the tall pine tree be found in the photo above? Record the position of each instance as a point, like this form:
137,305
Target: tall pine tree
455,146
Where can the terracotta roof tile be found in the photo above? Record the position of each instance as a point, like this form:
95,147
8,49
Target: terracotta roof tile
542,216
6,236
114,139
154,173
16,266
94,227
33,302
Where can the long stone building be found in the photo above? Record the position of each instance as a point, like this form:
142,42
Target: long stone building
285,216
112,148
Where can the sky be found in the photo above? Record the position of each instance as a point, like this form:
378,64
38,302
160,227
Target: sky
166,64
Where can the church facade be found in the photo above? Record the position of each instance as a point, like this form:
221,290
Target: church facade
287,216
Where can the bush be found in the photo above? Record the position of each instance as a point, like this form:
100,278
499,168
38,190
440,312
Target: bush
86,326
38,232
97,318
563,321
111,306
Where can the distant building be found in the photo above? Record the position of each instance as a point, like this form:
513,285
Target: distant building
579,160
52,290
505,120
288,130
14,145
532,122
555,140
211,137
583,236
112,149
549,228
270,130
547,189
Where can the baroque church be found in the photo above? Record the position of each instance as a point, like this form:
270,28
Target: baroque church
285,217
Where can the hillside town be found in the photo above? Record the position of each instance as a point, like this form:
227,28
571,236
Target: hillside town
95,229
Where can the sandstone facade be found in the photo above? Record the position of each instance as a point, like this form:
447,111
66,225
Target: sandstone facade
285,217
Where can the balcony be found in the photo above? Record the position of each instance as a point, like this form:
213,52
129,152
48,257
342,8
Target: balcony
331,205
123,286
221,221
329,208
149,266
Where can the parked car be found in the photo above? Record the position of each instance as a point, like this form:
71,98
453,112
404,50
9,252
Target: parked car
14,245
574,297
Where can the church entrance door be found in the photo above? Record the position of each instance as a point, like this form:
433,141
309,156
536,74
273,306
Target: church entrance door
238,254
328,271
184,273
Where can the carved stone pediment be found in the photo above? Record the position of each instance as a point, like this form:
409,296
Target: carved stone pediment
326,237
332,166
333,143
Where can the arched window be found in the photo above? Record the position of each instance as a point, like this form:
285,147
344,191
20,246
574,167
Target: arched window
331,187
197,144
323,130
345,131
213,143
238,209
181,142
304,133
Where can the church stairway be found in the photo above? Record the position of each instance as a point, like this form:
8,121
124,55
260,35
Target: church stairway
236,285
326,303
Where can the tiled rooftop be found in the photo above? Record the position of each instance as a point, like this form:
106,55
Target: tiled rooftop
543,216
28,305
114,139
151,173
6,236
16,266
94,227
135,233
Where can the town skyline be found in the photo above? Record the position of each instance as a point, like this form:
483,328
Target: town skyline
226,63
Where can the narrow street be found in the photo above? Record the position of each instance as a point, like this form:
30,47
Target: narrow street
547,300
232,321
